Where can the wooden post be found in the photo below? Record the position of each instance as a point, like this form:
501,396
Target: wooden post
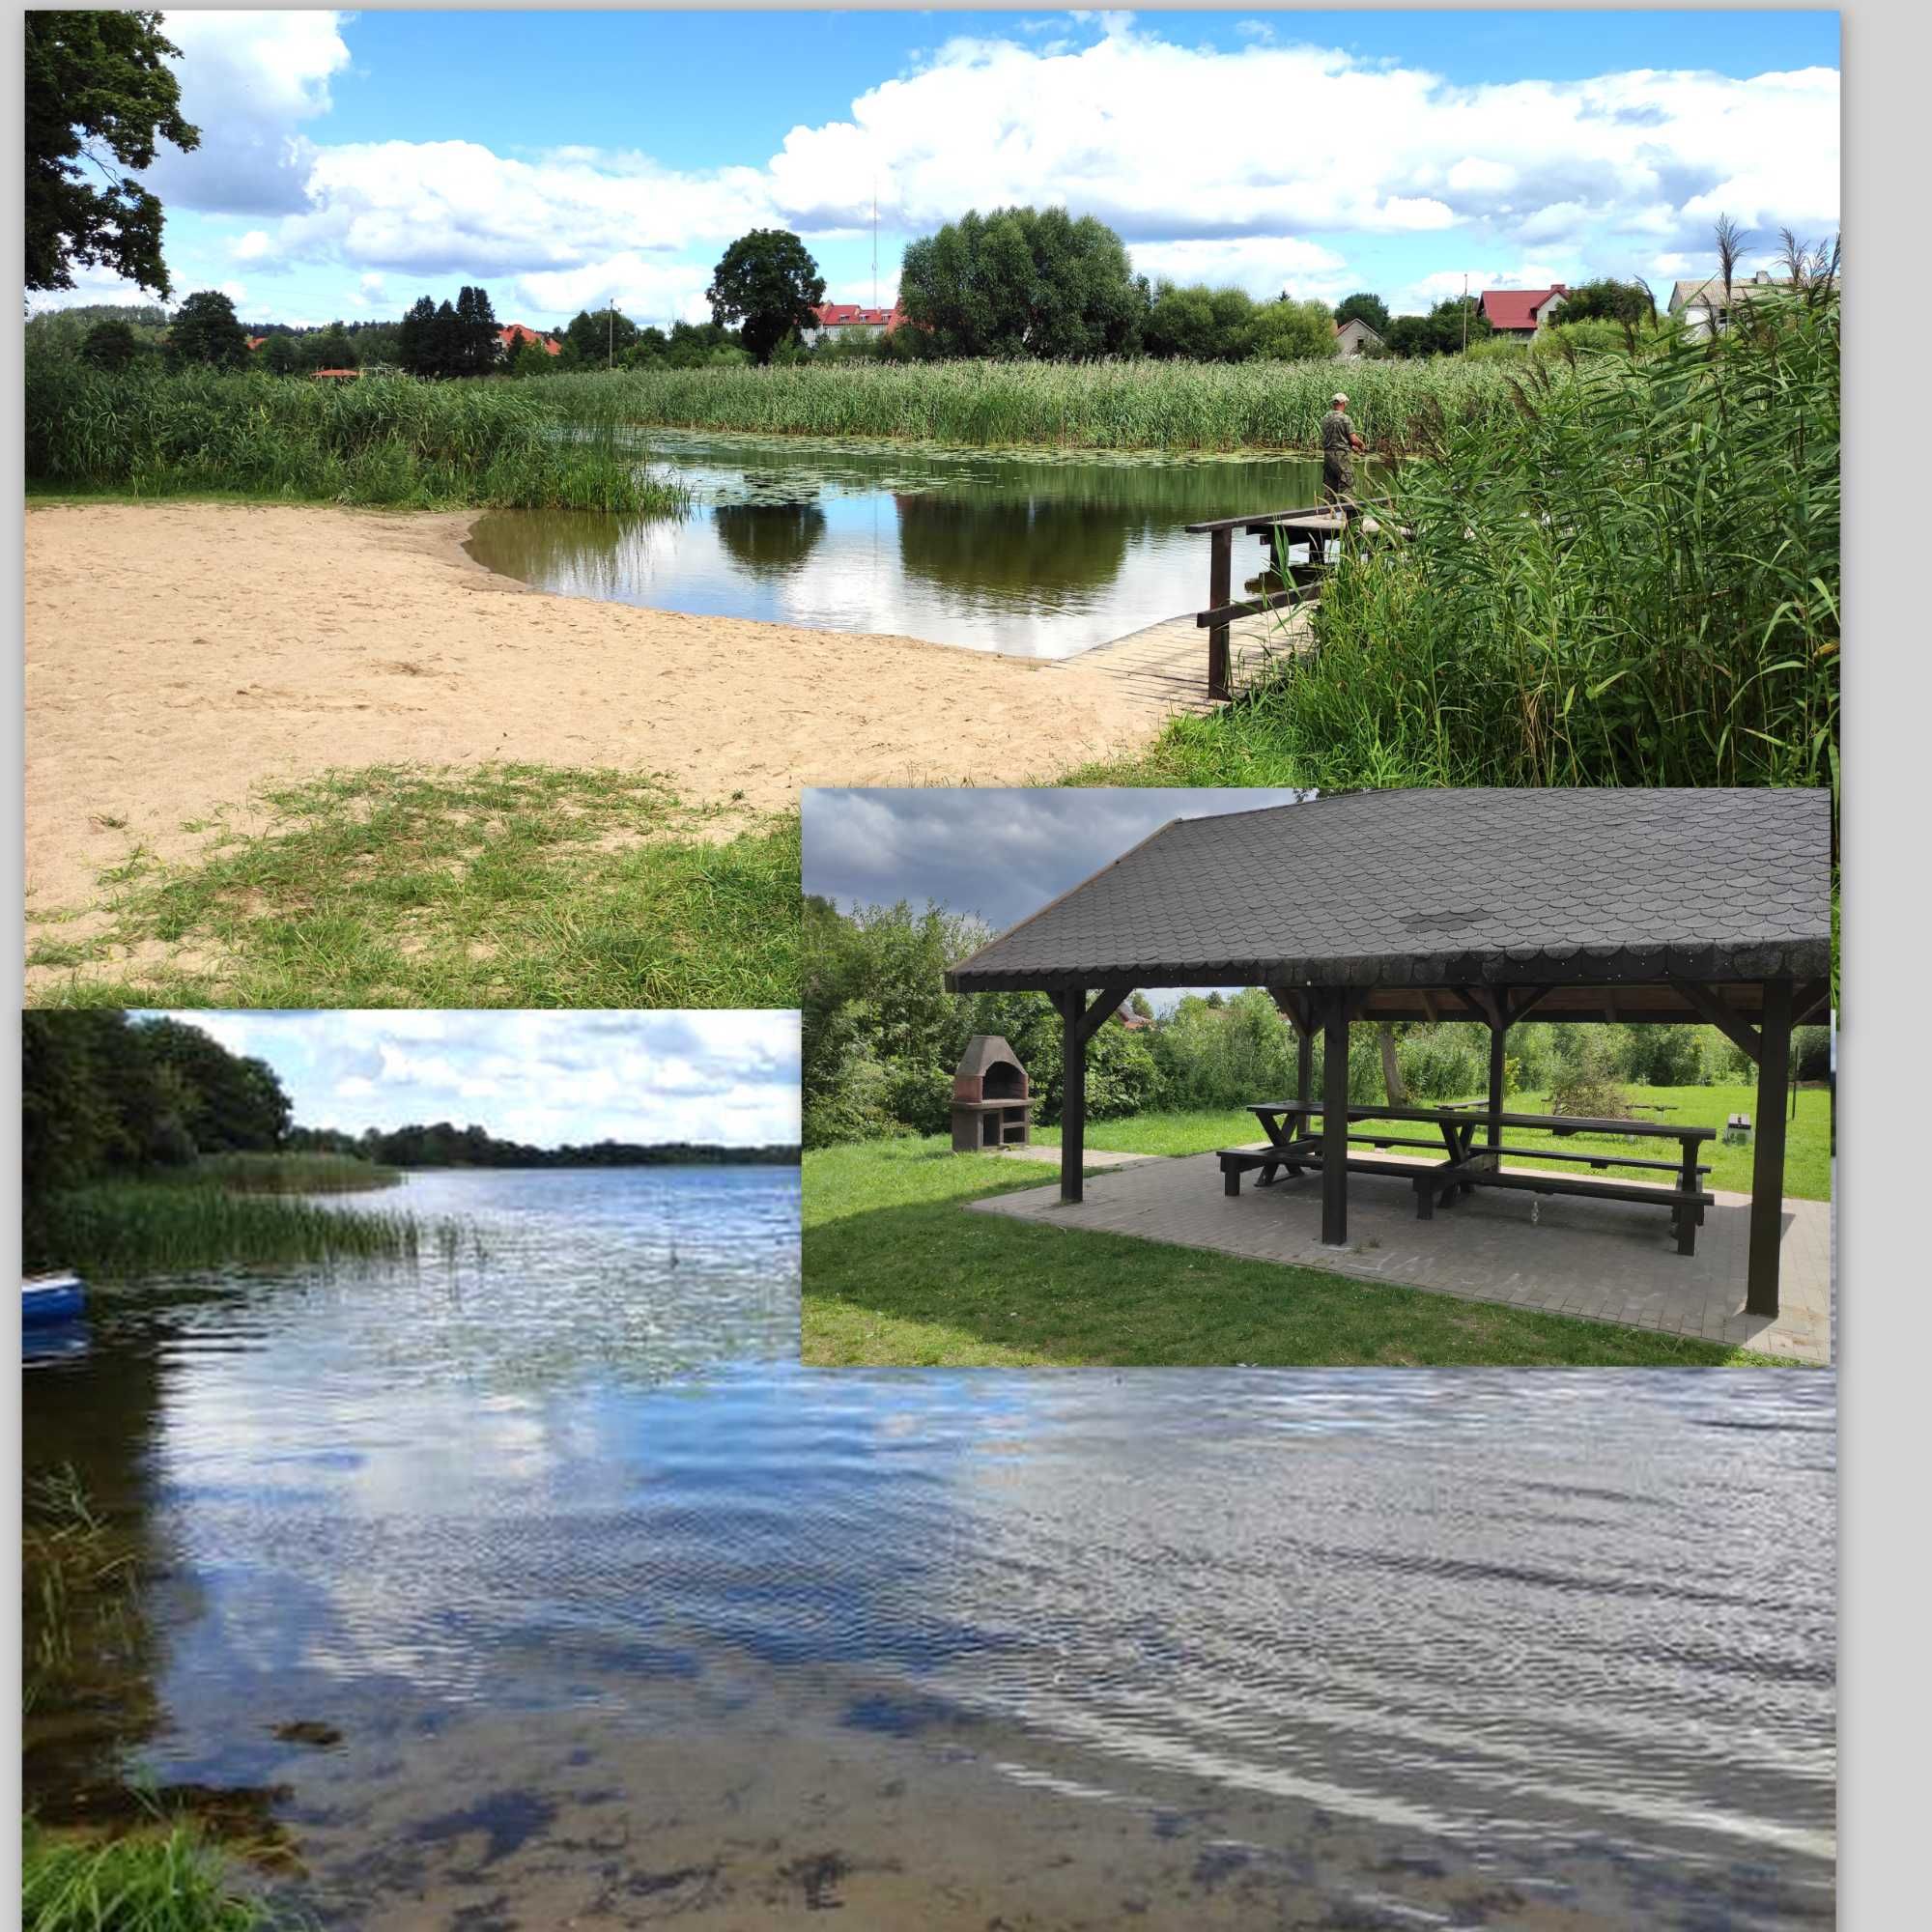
1335,1118
1220,589
1073,1006
1493,1137
1767,1208
1304,1067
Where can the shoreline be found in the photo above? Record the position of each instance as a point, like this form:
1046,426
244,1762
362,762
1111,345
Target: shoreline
182,655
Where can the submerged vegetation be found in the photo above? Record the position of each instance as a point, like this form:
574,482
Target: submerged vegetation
1631,576
384,440
1133,403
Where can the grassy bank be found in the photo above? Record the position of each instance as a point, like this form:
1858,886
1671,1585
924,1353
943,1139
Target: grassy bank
382,440
897,1272
168,1880
1128,404
506,886
296,1173
1808,1139
1628,577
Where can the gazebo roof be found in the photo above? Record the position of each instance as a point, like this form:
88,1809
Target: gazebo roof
1439,889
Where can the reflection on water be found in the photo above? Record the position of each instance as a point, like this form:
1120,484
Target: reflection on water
1193,1648
1038,554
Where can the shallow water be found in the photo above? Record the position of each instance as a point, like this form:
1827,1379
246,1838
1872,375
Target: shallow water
1033,555
620,1616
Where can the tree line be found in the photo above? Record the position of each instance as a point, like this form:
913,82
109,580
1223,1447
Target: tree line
105,1095
444,1145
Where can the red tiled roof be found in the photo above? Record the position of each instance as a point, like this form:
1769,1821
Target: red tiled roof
514,335
256,341
1516,308
840,315
340,375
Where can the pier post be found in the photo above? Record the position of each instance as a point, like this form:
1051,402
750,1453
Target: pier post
1220,591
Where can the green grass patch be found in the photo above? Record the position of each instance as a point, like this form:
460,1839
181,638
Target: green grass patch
168,1880
897,1272
1808,1139
295,1173
506,886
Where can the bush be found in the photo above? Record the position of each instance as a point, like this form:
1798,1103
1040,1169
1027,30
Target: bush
1664,1056
1588,1088
1811,1053
1445,1062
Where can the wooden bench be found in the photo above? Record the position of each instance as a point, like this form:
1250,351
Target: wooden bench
1294,1144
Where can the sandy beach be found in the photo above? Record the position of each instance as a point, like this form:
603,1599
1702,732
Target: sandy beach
182,655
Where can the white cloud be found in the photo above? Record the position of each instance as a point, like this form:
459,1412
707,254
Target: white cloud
248,81
1313,152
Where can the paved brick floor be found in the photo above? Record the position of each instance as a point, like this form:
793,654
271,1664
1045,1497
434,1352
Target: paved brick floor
1610,1261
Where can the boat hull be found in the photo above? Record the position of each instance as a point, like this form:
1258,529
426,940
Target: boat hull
44,1302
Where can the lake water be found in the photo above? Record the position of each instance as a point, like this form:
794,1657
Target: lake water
622,1617
1035,554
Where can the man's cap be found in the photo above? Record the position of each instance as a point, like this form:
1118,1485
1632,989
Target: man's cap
1338,397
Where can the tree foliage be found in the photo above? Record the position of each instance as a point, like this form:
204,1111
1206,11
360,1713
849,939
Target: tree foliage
100,96
1442,331
205,331
601,339
768,284
110,345
1606,300
1024,281
1366,307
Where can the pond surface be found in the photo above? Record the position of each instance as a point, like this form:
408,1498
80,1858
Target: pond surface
584,1623
1035,555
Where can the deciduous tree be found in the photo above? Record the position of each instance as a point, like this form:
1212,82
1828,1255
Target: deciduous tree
768,284
205,331
100,96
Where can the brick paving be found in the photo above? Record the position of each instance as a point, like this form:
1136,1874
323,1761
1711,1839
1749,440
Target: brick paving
1606,1260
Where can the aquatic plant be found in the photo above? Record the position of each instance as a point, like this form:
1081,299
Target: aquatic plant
1633,577
296,1173
1138,403
386,440
115,1229
168,1881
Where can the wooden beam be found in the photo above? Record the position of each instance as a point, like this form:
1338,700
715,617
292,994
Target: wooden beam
1767,1208
1335,1118
1485,1003
1493,1133
1729,1021
1293,1006
1812,1002
1529,999
1106,1003
1428,1007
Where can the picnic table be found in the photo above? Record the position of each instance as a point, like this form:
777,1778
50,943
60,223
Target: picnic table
1294,1144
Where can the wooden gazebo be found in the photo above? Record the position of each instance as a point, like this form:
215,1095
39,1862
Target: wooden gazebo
1653,906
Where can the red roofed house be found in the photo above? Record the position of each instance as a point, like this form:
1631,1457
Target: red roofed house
256,341
338,375
1521,311
842,321
513,337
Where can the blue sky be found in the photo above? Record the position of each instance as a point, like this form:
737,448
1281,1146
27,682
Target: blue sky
353,162
544,1078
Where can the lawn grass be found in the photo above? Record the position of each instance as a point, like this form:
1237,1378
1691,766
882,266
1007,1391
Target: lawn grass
502,886
897,1272
1808,1139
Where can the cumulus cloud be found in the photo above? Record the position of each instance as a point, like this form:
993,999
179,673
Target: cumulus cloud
543,1077
249,81
1315,156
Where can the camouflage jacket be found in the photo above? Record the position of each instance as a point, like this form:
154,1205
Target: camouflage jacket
1336,430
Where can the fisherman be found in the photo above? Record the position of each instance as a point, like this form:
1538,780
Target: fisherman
1339,442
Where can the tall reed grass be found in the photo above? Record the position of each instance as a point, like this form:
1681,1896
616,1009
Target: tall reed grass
382,440
1127,405
295,1173
121,1228
1632,578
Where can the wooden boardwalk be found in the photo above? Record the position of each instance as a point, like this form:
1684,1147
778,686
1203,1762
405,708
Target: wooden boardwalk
1167,663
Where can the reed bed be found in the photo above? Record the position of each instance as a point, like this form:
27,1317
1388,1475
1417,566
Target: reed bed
385,440
1631,579
117,1229
1398,406
296,1173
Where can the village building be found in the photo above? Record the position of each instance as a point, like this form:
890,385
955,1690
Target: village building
1705,307
513,336
1522,312
1354,337
847,322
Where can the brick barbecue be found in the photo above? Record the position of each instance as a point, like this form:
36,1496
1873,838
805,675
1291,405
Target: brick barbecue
992,1098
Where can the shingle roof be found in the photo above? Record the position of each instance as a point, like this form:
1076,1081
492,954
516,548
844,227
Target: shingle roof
1516,308
1434,889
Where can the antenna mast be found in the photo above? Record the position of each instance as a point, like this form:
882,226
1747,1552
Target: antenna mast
876,241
